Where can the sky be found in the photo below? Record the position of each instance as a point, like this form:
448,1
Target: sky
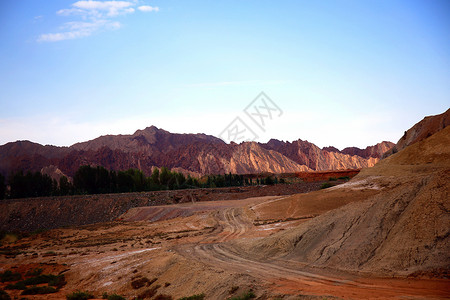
341,73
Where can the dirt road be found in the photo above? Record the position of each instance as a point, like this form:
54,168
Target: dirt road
286,277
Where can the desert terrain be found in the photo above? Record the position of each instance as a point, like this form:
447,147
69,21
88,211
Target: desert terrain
381,235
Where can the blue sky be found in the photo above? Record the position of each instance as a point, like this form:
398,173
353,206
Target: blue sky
344,73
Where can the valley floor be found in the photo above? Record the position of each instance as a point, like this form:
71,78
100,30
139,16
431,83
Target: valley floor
185,249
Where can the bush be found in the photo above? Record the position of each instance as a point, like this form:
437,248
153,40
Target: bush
16,286
344,178
39,290
246,296
4,295
332,179
39,279
10,276
326,185
52,280
194,297
79,295
57,281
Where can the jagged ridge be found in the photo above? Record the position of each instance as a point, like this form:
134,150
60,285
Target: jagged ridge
195,153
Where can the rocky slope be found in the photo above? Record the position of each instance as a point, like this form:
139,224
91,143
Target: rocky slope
401,229
328,158
425,128
371,151
190,153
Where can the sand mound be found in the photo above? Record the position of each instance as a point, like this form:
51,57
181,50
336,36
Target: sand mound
400,230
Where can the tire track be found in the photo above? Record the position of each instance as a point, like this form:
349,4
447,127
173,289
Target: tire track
234,224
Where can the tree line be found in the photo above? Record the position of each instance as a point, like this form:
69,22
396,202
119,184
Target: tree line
98,180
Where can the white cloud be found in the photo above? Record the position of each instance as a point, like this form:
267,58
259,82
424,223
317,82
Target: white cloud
70,11
99,8
96,16
61,36
148,8
79,30
102,5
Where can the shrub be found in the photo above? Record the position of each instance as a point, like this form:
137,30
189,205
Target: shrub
326,185
16,286
57,281
10,276
52,280
246,296
344,178
332,179
4,295
79,295
194,297
39,290
115,297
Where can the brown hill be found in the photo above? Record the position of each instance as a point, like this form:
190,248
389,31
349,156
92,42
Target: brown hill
371,151
425,128
396,221
328,158
189,153
25,155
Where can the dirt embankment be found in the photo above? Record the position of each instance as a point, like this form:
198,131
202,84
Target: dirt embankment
400,230
54,212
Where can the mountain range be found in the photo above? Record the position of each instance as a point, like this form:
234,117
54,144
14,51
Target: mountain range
195,154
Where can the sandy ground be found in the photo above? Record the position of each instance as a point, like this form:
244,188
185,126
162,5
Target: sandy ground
188,249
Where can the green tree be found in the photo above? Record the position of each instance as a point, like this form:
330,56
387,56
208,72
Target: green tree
65,187
189,181
2,187
155,177
112,181
269,180
89,180
84,180
180,180
125,182
30,185
164,177
55,189
139,180
102,181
